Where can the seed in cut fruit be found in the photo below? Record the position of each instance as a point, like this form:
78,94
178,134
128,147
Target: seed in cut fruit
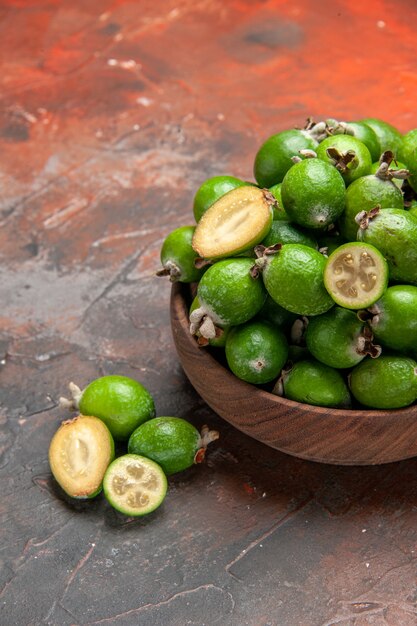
134,485
356,275
79,454
236,222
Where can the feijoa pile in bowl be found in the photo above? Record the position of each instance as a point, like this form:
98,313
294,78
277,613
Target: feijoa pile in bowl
306,280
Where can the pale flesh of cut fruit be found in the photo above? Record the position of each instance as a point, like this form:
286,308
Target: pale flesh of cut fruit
135,485
79,454
236,222
356,275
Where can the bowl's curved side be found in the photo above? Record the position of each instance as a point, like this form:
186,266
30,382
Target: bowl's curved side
345,437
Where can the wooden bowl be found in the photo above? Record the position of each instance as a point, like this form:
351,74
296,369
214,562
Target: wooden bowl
338,436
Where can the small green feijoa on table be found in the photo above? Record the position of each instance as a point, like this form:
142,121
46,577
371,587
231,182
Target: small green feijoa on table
122,403
172,442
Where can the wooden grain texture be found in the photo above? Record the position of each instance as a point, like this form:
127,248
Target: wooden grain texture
339,436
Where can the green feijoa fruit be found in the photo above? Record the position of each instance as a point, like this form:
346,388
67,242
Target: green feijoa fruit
228,296
274,157
79,454
312,382
293,277
119,401
285,232
339,339
394,318
389,137
256,351
235,223
356,275
367,135
389,382
276,314
413,212
172,442
363,195
408,155
134,485
313,193
349,156
219,341
279,210
394,233
178,256
211,190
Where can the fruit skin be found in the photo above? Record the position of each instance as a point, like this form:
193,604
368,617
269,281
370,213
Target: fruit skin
95,424
408,154
363,195
367,135
334,338
359,166
211,190
256,351
394,233
313,193
178,254
282,231
388,136
389,382
279,211
394,321
294,279
120,402
172,442
312,382
273,159
229,294
107,488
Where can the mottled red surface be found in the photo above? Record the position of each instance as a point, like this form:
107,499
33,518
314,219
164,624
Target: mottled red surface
112,113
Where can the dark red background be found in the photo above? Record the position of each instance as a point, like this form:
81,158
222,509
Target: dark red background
112,113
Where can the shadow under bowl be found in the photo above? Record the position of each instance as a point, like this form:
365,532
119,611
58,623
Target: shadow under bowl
337,436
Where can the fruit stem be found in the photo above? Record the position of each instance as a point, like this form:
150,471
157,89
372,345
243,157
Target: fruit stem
385,173
73,403
206,437
170,269
202,324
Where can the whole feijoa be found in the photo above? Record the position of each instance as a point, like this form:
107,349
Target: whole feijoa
389,382
122,403
172,442
313,193
228,295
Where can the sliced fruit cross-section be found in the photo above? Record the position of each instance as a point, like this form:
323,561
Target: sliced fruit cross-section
236,222
134,485
356,275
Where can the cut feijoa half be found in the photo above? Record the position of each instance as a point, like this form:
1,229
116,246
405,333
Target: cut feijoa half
235,223
134,485
356,274
79,454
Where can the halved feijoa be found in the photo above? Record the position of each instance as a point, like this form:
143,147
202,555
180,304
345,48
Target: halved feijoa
135,485
355,274
79,454
236,222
